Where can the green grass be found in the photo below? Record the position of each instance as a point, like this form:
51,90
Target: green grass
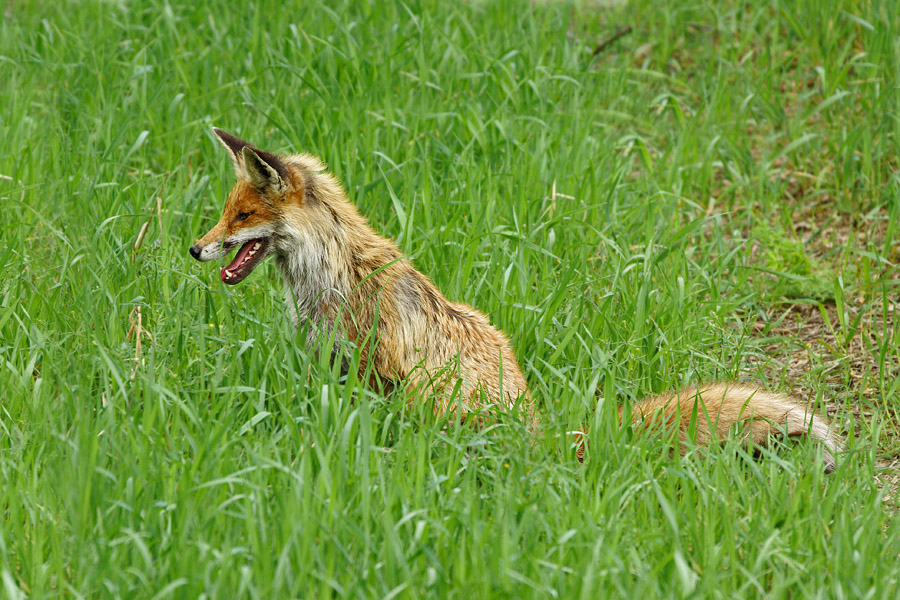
634,221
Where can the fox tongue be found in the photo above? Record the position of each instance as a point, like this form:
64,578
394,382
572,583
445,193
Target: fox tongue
238,259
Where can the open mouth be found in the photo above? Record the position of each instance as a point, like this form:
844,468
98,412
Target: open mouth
246,259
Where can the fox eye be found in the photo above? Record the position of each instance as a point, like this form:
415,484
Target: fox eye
242,216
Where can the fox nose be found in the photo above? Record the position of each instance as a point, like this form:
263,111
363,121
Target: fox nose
195,251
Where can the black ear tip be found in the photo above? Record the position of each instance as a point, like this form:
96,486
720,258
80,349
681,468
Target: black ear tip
224,135
229,141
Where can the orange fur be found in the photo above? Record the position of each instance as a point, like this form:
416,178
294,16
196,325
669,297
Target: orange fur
345,281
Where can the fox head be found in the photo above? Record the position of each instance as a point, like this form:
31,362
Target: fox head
254,220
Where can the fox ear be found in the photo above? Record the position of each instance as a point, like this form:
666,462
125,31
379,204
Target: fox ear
234,147
264,170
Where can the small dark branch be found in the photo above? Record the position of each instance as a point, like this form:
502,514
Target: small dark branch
611,40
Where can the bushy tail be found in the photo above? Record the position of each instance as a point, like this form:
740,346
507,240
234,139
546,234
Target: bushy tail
711,411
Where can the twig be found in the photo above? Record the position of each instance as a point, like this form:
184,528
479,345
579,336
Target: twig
611,40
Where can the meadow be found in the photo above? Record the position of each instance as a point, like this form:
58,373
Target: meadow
713,195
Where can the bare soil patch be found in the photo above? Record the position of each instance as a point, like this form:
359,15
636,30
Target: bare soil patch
811,347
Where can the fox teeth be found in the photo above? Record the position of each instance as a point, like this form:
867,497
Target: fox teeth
228,274
255,247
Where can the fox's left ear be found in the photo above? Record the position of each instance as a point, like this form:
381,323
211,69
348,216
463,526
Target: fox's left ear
234,146
265,171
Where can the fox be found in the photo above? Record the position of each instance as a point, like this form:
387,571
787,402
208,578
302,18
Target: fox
345,283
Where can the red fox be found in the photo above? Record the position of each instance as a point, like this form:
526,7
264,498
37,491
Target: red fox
344,281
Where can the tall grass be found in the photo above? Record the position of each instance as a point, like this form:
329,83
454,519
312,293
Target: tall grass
631,220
